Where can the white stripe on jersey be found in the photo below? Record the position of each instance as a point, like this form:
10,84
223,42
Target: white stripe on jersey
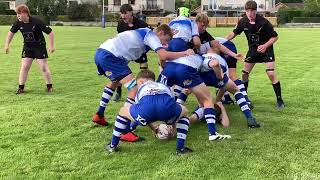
194,61
210,56
130,45
152,88
184,28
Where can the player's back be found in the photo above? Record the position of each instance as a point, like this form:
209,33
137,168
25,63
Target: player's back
151,88
130,45
183,28
194,61
212,56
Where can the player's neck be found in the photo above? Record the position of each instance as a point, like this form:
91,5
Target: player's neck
27,20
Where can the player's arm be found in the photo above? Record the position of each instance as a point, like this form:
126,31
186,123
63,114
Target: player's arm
51,48
165,55
273,38
214,64
227,51
231,35
196,42
8,41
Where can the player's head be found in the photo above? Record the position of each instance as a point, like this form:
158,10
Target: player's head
183,11
126,13
202,21
23,12
251,10
164,33
145,75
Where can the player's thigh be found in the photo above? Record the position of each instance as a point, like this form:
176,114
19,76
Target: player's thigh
202,93
125,111
43,64
231,87
232,73
26,63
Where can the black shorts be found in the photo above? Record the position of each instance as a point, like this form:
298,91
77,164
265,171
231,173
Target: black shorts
255,57
231,61
35,52
142,59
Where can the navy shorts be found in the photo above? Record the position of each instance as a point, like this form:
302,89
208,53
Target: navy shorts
151,108
211,80
111,66
179,74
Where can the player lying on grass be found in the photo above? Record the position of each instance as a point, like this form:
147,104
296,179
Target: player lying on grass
154,101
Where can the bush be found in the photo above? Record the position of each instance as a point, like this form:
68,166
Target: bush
63,18
7,19
112,17
10,12
286,15
83,12
306,20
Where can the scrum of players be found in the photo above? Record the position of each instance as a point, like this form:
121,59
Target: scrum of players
191,61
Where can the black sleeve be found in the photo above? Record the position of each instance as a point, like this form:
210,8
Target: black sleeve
240,26
15,27
269,29
142,24
119,27
44,27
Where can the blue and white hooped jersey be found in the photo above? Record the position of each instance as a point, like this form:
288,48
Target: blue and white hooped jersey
130,45
211,56
194,61
151,88
184,28
227,43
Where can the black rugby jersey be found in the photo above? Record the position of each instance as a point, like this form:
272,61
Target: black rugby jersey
137,23
31,31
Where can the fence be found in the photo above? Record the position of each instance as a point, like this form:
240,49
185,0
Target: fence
213,21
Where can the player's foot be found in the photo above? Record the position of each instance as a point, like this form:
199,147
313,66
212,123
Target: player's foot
19,91
99,120
252,123
227,101
185,150
49,89
117,97
218,136
111,149
250,104
131,137
280,104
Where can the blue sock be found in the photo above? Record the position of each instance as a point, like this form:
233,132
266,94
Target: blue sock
120,127
241,101
182,131
182,98
177,91
106,96
210,116
227,97
242,89
133,125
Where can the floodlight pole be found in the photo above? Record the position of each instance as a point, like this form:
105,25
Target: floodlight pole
103,21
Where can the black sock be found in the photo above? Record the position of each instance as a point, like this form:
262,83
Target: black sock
21,86
246,84
119,90
49,86
277,90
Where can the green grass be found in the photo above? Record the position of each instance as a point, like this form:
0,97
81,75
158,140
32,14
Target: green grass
50,136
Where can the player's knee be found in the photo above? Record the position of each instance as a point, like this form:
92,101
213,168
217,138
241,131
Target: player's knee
124,111
270,73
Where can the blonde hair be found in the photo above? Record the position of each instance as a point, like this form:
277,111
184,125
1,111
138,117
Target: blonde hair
165,29
22,8
201,17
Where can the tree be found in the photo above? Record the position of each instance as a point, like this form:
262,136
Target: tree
192,4
312,8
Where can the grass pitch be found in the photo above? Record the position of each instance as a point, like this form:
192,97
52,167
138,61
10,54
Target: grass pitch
50,136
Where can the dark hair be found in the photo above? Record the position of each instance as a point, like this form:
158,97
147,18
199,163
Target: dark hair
250,5
146,74
125,8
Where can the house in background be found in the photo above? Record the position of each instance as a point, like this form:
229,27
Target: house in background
234,7
147,7
289,5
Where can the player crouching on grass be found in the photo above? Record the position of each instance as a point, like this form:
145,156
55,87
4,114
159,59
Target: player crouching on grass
113,56
154,101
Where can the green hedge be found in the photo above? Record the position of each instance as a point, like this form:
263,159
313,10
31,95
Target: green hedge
286,15
112,17
63,18
306,20
7,19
